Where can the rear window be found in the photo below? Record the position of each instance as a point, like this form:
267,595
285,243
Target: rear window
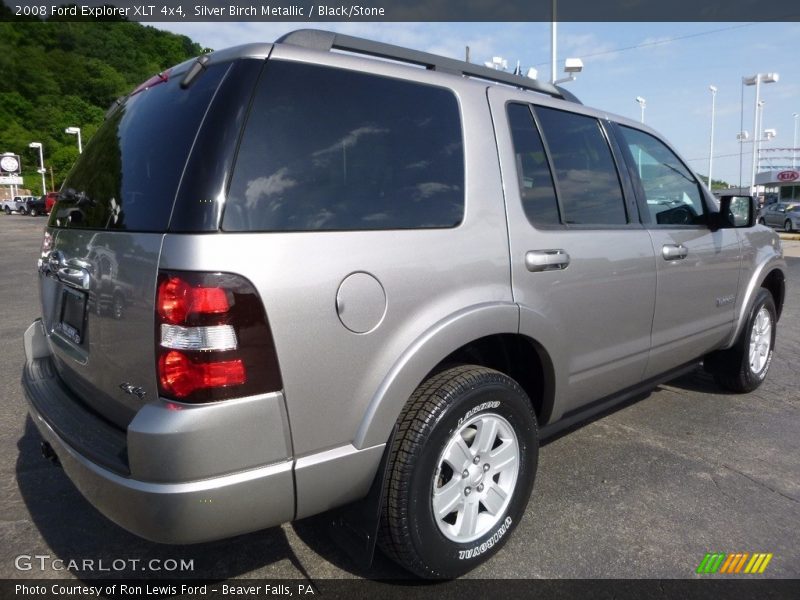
588,184
129,173
330,149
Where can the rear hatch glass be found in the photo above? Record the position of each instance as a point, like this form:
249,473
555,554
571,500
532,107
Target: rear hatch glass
107,228
128,175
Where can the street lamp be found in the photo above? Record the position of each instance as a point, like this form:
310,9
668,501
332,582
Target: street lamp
642,104
572,66
756,80
41,163
75,131
713,90
794,141
498,63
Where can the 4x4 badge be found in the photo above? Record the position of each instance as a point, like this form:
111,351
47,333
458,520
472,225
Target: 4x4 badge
723,300
133,390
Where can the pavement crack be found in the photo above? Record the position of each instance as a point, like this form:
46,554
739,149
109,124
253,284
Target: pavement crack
761,483
716,484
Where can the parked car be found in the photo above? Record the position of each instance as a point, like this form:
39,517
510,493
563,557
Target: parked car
16,204
35,206
50,200
382,293
785,215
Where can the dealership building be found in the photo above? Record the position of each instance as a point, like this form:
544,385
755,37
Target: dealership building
785,183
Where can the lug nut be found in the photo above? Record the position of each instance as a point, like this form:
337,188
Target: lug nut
465,474
486,467
467,491
476,460
480,487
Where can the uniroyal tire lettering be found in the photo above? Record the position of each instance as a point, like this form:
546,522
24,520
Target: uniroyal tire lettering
477,409
488,544
763,374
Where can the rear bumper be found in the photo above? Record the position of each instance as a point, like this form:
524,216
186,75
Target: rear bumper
182,485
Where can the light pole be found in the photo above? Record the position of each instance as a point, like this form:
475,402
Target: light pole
41,164
794,141
553,46
756,80
713,91
75,131
642,104
769,134
759,135
741,137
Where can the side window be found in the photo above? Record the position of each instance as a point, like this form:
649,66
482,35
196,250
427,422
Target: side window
331,149
588,182
535,181
672,192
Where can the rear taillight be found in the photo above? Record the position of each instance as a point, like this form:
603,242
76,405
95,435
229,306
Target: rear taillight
213,339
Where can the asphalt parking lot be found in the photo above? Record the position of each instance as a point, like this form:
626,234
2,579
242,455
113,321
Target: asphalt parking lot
643,492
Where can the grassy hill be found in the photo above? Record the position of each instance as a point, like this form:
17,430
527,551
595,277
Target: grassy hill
57,75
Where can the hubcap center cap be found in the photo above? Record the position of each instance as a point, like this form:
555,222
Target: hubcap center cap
475,474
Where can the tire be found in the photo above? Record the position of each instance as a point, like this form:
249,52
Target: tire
33,212
744,367
21,210
7,210
762,222
787,226
435,464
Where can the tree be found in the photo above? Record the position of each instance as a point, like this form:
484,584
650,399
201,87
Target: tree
58,74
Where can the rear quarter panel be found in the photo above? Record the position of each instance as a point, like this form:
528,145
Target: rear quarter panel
332,375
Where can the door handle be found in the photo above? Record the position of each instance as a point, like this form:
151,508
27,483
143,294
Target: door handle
546,260
674,252
75,276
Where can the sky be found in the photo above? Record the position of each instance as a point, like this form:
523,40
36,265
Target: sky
671,65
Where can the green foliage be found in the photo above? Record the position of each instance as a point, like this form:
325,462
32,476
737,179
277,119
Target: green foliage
716,184
58,75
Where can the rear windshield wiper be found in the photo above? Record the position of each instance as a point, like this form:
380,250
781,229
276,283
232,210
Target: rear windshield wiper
200,65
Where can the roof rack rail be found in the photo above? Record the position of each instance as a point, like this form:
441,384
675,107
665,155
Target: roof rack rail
317,39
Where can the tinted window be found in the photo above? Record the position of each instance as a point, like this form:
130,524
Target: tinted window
533,173
672,193
588,184
129,173
329,149
790,192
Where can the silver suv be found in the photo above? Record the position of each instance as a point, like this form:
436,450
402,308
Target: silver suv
335,277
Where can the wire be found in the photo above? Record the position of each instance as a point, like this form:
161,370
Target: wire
715,156
662,41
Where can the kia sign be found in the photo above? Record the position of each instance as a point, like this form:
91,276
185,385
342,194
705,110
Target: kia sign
784,176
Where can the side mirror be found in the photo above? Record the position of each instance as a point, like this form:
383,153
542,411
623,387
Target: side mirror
737,211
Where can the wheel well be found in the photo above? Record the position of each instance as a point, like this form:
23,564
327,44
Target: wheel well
519,357
775,284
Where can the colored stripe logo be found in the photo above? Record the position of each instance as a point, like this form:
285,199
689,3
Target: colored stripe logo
735,563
